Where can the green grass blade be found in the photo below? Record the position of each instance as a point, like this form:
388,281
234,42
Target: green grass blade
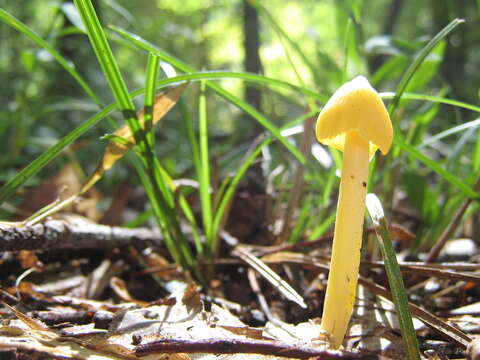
258,79
109,66
452,179
161,199
394,275
420,57
182,202
140,220
301,221
27,31
150,78
476,155
165,201
32,168
192,139
104,54
189,215
204,174
160,216
451,131
141,43
322,228
435,99
149,154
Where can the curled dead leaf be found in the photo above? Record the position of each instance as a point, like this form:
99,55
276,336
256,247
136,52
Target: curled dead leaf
29,260
164,102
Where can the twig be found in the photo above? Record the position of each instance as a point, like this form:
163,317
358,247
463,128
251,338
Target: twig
52,318
442,274
73,232
458,266
265,250
243,346
101,319
252,279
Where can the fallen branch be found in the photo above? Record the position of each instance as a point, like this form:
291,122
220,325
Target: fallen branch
242,346
73,232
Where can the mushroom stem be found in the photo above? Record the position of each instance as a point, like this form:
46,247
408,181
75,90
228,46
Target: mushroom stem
347,242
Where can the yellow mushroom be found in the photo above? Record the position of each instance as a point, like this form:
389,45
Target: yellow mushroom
356,122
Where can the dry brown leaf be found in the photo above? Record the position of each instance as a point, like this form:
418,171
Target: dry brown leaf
62,185
247,331
33,324
120,289
401,233
114,151
191,297
29,260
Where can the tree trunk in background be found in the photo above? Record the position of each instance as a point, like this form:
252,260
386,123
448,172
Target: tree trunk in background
251,45
252,63
454,60
393,14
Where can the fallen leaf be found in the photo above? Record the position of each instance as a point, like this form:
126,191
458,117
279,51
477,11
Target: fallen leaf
401,233
114,151
27,320
29,260
62,185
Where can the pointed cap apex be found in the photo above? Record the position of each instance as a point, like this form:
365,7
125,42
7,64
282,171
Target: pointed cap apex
355,106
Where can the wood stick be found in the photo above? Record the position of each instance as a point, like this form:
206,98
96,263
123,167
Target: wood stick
73,232
244,346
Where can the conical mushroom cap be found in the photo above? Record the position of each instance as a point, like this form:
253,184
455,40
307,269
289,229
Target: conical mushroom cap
355,106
